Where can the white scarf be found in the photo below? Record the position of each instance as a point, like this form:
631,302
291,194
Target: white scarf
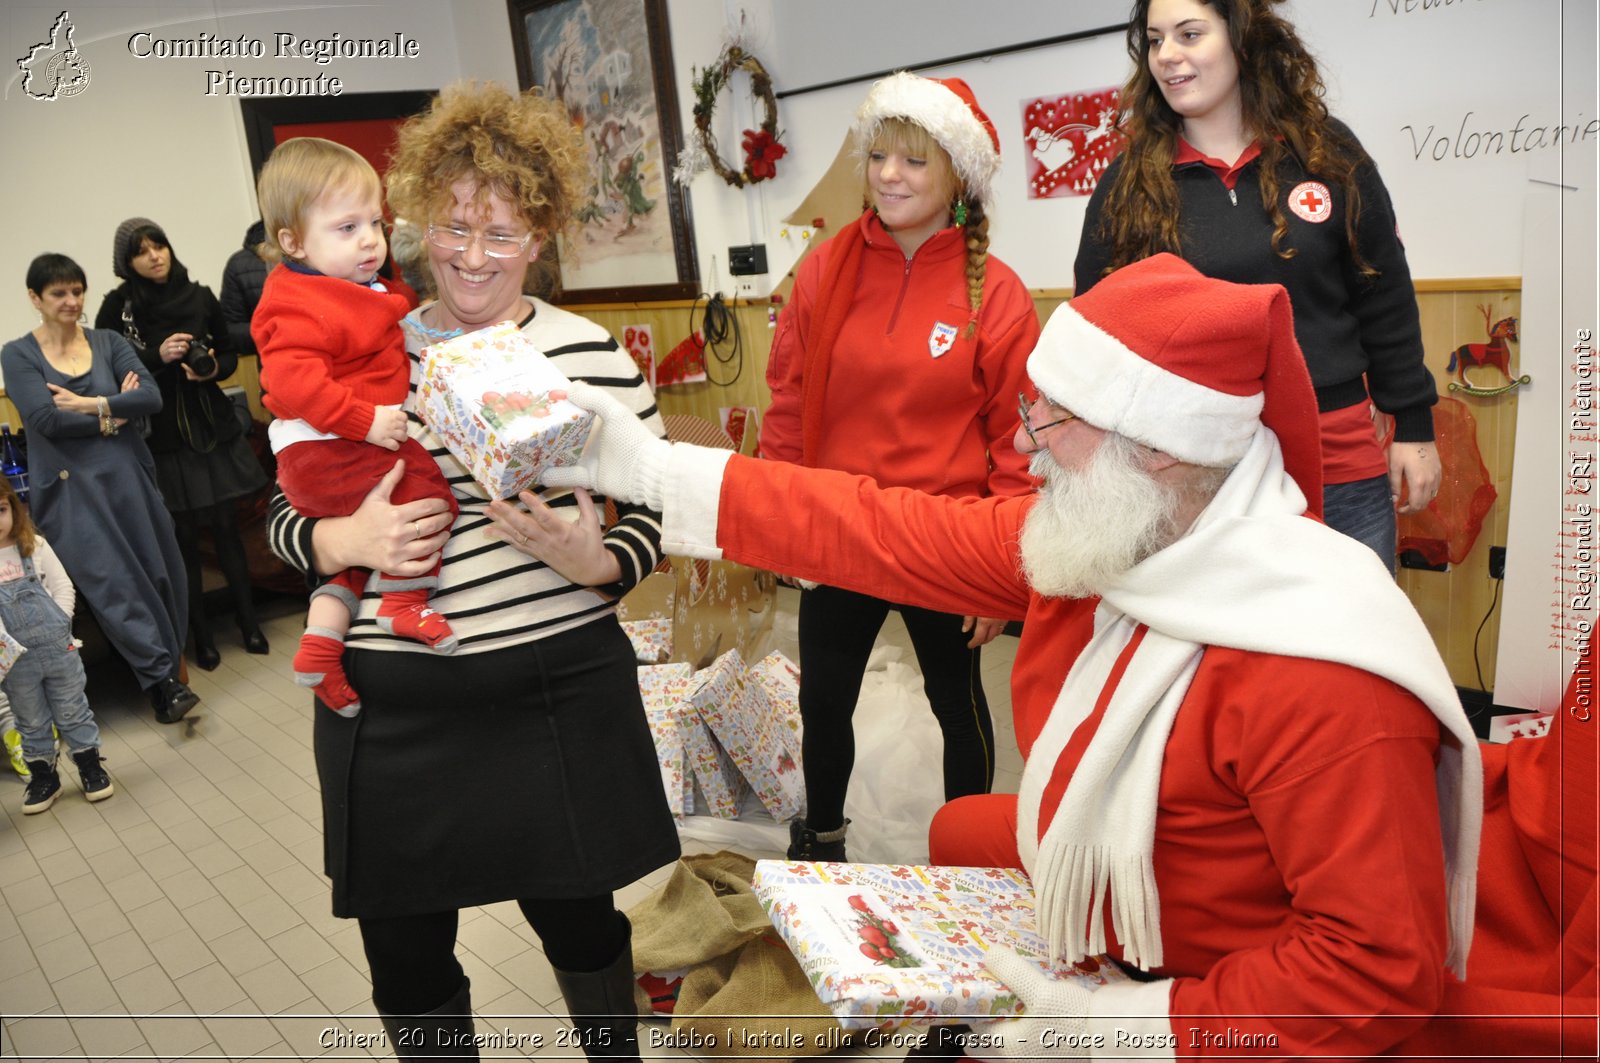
1251,574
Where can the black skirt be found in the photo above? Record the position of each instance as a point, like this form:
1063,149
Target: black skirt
191,480
527,772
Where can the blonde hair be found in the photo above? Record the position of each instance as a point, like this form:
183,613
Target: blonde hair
297,175
523,147
906,137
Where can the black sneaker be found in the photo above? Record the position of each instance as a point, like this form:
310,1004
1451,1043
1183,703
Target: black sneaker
43,787
96,783
172,700
808,844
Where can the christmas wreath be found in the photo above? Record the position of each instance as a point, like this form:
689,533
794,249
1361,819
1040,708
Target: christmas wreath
761,148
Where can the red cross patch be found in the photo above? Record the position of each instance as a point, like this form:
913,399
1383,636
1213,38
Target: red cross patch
941,339
1310,201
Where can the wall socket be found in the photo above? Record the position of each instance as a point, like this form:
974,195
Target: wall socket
747,260
1497,562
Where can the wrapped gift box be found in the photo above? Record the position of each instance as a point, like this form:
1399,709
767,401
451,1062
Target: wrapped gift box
774,684
718,777
885,945
755,740
487,396
662,688
652,639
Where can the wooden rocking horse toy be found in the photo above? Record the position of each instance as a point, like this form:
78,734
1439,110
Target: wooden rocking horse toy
1495,353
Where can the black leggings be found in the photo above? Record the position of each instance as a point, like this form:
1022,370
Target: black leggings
413,957
230,557
837,630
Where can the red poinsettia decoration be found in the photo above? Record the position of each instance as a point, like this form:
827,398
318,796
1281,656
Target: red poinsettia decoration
761,154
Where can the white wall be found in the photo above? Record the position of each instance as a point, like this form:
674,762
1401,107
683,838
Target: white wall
145,139
1404,74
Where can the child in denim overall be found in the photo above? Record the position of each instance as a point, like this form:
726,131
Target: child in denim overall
45,685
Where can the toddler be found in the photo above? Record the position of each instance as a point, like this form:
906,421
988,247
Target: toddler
45,684
334,371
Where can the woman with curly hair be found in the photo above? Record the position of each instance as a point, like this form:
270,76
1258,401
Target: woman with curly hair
902,357
521,767
1234,163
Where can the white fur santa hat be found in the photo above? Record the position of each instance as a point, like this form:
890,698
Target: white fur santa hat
946,108
1184,363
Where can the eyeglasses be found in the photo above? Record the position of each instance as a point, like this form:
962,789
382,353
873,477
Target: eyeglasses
1024,406
495,245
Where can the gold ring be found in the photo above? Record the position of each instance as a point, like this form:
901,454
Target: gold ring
522,540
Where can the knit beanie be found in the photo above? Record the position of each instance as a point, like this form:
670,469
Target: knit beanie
946,108
1166,356
123,248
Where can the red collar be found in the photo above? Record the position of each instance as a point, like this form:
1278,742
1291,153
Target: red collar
1229,175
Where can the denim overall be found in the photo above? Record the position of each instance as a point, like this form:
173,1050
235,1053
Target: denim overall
46,683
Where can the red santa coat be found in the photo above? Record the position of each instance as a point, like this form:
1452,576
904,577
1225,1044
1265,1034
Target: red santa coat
1297,848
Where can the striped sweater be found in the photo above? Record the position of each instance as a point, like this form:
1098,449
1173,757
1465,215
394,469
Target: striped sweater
495,596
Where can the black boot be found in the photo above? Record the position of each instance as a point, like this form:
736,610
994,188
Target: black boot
172,700
818,845
206,657
602,1007
44,783
443,1033
96,783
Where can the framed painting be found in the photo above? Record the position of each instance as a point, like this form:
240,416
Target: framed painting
364,122
609,63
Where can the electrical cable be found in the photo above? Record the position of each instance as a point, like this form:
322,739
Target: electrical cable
1493,602
717,324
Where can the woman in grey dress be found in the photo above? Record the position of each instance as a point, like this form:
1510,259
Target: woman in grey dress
93,490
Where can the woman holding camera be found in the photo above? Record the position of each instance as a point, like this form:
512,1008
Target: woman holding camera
204,463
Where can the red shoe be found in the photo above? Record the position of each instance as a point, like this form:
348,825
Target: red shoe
338,695
425,625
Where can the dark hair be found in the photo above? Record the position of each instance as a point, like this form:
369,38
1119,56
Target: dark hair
134,242
1281,96
52,268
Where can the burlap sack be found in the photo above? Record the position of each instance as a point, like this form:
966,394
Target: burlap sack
744,993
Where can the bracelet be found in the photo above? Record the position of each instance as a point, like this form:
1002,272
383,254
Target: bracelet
108,427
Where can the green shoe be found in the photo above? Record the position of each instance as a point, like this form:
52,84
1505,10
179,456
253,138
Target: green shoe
19,764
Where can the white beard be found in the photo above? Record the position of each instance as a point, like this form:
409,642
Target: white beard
1092,524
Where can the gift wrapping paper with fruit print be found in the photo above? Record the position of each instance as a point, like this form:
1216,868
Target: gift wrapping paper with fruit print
487,396
892,944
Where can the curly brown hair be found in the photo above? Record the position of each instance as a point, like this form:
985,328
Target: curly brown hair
523,147
1281,92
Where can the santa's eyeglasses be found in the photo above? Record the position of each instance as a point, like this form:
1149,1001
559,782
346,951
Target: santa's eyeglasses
1024,410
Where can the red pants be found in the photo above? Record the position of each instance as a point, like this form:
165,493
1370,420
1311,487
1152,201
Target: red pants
330,478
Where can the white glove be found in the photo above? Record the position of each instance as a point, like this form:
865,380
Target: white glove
1055,1023
624,460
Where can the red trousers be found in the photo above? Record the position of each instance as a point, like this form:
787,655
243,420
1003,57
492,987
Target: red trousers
330,478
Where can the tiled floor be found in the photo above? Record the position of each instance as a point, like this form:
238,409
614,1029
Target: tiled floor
187,916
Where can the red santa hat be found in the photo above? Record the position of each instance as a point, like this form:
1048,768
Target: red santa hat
1186,364
946,108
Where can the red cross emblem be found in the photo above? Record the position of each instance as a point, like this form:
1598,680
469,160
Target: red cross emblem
940,338
1311,202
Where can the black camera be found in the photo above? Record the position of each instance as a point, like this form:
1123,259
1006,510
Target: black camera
200,359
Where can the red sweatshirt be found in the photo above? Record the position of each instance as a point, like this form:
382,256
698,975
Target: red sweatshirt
331,351
910,400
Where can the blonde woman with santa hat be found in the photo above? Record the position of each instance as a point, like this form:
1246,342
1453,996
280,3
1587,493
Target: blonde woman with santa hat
900,357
